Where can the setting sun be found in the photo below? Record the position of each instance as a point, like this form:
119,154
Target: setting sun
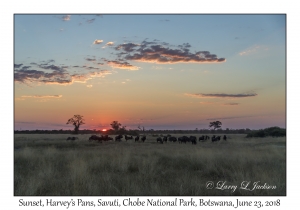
104,129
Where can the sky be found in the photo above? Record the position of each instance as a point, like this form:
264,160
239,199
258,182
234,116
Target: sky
154,71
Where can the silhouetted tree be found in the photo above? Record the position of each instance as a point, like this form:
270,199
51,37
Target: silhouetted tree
215,124
141,129
115,125
77,121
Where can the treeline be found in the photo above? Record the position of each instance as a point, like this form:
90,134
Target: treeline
272,131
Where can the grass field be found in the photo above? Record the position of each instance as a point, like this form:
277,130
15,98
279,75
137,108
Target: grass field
47,164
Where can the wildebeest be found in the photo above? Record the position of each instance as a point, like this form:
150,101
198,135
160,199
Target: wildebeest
105,138
137,138
193,139
118,137
128,137
225,137
72,138
183,139
95,138
143,138
100,138
159,139
172,138
165,138
202,138
215,138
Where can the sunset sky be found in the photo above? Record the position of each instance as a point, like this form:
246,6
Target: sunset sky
156,71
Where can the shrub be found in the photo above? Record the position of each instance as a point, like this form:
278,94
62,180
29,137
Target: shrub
271,131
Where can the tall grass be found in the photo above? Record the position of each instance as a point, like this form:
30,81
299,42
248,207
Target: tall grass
58,167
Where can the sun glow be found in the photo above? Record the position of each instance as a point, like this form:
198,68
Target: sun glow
104,129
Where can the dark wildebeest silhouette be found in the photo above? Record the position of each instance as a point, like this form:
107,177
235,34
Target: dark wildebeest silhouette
106,138
193,139
128,137
201,138
180,140
225,137
137,138
183,139
72,138
165,139
187,139
95,138
172,138
215,138
118,137
159,139
143,138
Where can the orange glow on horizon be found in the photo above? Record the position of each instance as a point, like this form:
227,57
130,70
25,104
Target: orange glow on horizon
104,129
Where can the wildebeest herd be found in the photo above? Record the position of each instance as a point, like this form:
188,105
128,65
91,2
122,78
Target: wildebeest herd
162,139
192,139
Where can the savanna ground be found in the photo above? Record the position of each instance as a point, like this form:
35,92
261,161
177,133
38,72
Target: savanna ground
47,164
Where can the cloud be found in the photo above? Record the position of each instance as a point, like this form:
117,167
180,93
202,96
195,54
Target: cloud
127,47
217,103
53,67
184,45
91,59
83,78
66,18
98,41
92,68
101,73
109,44
17,65
42,96
230,104
24,76
122,65
91,20
154,52
253,49
52,74
89,86
221,95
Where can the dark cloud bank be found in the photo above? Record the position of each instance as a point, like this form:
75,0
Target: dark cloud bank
162,53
